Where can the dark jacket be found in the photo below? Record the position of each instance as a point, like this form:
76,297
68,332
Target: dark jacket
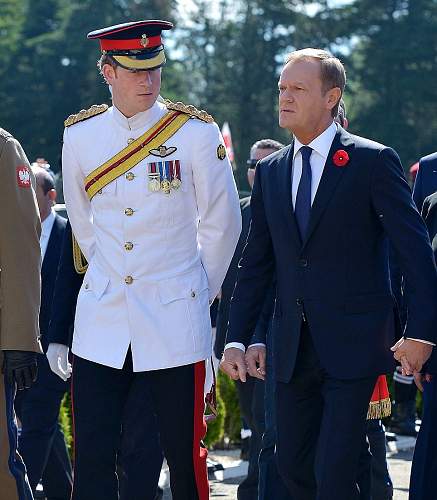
339,275
68,283
426,179
429,213
49,271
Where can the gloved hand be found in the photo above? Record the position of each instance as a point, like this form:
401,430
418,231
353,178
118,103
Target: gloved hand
57,355
20,367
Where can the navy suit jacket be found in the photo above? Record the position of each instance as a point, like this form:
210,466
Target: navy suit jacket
68,283
49,271
429,213
426,179
339,275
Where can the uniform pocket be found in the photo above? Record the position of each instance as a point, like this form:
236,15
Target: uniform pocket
95,282
192,289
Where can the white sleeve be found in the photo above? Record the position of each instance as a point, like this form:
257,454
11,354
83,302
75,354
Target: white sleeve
217,203
76,200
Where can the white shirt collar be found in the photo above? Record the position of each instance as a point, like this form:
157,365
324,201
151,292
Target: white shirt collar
140,120
321,144
47,223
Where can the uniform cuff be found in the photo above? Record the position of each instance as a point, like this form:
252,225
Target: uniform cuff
257,344
423,341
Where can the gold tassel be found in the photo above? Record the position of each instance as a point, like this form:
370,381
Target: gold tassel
80,263
379,409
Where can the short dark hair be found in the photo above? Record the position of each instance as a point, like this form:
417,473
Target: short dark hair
105,59
267,144
44,179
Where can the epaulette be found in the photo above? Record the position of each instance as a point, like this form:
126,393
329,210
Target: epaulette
84,114
189,109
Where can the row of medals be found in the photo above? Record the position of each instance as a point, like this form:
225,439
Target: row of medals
164,185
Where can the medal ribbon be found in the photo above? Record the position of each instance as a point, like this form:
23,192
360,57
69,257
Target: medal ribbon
135,152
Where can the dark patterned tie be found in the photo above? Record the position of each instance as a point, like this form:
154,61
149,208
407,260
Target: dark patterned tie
302,208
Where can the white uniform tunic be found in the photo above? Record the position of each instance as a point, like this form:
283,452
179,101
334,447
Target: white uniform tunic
155,259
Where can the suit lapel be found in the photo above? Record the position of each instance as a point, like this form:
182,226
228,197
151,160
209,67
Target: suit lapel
284,178
329,180
47,263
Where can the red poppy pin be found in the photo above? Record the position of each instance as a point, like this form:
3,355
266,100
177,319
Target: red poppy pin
340,158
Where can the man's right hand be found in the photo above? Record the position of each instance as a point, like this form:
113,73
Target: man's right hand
20,367
256,361
233,363
57,355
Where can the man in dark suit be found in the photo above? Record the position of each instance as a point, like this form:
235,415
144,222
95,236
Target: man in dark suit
42,442
250,394
423,484
323,210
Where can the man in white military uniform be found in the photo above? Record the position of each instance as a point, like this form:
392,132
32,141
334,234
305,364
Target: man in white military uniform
152,202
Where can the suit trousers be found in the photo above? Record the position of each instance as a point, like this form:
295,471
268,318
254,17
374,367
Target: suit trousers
321,422
14,484
271,486
251,399
423,482
106,403
41,441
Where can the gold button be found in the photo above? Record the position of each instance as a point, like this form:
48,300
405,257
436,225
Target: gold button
128,280
130,140
128,245
130,176
193,294
128,211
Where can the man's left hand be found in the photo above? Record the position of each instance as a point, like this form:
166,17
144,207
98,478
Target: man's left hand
256,361
412,355
20,367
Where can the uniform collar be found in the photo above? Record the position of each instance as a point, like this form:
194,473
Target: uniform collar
140,120
321,144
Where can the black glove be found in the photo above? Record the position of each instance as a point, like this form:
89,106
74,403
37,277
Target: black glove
20,367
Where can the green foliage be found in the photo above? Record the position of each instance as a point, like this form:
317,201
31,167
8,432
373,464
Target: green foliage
66,421
216,428
228,392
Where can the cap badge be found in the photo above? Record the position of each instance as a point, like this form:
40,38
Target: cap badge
144,41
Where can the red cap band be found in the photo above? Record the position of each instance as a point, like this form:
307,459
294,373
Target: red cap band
146,42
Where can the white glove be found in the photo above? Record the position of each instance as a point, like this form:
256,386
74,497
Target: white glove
57,355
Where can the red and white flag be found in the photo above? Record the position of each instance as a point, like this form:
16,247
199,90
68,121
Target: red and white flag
227,137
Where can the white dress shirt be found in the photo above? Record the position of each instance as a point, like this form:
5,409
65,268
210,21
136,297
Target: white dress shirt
46,231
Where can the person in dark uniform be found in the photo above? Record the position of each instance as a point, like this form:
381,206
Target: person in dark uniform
140,457
20,290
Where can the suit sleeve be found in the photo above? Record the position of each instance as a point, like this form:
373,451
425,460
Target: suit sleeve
20,254
265,318
67,286
76,200
255,273
218,206
407,232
